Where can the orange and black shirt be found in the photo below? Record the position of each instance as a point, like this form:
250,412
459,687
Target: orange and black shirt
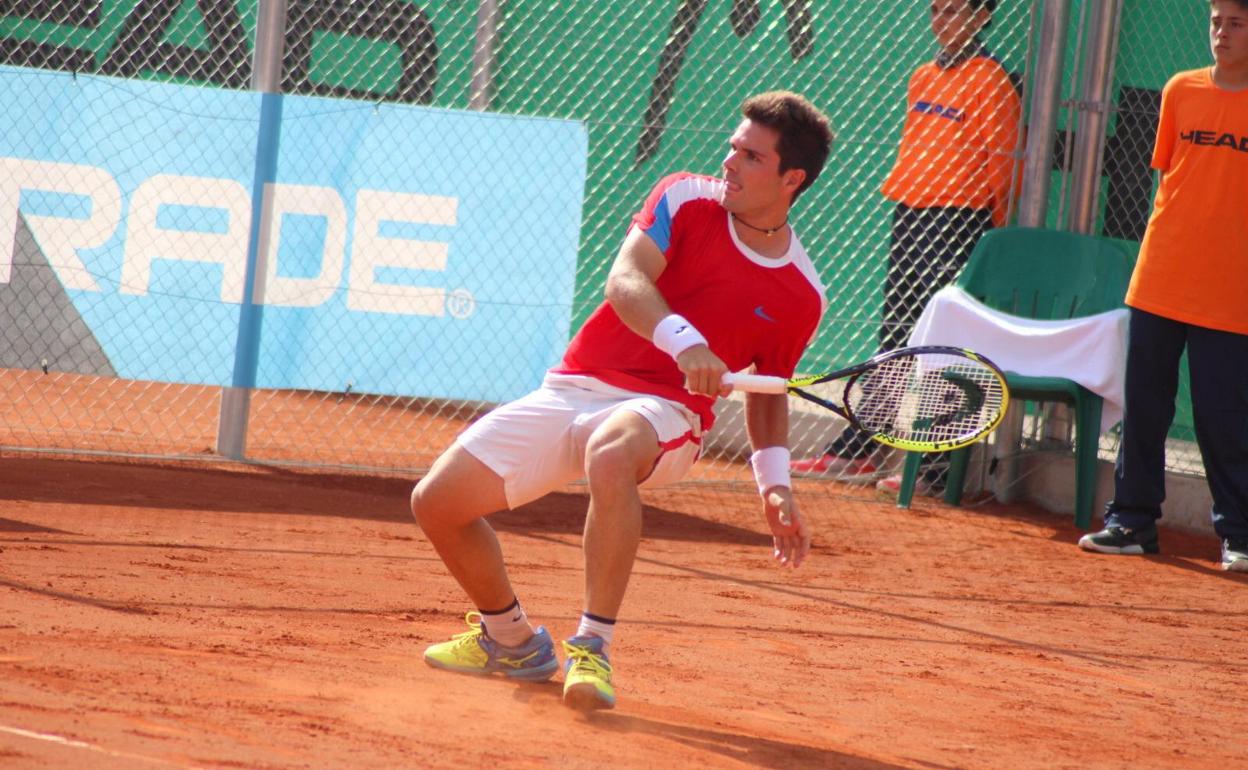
960,136
1193,263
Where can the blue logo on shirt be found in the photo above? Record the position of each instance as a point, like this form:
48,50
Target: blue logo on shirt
940,111
758,311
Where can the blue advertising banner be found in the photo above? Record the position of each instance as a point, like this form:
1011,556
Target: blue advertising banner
414,251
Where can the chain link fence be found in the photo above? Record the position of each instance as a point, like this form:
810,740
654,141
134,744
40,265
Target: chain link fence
448,185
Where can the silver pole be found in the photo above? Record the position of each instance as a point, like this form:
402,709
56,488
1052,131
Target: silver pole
266,60
1094,106
1042,124
266,77
1033,203
484,55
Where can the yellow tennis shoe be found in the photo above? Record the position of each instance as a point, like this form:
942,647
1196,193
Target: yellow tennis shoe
587,675
474,652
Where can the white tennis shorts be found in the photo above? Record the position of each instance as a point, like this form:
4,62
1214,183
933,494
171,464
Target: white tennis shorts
537,443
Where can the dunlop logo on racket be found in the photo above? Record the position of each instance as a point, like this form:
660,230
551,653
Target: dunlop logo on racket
921,399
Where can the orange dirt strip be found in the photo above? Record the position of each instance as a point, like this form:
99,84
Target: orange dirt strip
246,617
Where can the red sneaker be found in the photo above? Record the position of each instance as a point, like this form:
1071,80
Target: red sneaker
853,470
892,486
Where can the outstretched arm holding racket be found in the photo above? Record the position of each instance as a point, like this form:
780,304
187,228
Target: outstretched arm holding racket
710,278
930,399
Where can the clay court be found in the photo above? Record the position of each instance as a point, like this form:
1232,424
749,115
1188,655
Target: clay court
198,615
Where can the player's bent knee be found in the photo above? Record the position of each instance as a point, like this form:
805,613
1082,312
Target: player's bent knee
614,461
434,517
423,510
442,503
414,502
457,491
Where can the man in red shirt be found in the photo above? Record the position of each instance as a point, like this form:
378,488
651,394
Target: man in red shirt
710,279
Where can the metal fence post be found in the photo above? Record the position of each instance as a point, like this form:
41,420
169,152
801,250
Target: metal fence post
1033,204
1042,114
266,77
484,55
1094,106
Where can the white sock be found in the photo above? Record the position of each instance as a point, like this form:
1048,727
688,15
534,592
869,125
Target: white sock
593,625
509,627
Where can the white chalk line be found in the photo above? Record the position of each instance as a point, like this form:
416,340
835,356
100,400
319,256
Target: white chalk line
63,741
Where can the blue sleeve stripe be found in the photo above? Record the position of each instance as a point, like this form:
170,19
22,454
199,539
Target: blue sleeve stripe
661,231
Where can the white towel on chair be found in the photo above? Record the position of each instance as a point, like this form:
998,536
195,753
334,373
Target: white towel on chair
1091,350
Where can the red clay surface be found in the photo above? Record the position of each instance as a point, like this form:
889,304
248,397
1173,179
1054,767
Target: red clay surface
224,617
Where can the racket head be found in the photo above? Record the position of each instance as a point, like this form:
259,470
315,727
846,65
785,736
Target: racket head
920,399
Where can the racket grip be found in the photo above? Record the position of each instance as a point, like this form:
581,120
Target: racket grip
756,383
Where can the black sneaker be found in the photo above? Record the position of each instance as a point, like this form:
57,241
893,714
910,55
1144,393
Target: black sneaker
1115,539
1235,554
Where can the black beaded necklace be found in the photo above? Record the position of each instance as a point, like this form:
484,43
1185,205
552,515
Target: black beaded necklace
768,231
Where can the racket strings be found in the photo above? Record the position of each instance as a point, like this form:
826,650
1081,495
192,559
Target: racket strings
928,398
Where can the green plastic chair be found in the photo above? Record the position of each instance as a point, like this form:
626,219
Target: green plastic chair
1045,275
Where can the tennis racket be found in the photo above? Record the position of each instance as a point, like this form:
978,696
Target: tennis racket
922,399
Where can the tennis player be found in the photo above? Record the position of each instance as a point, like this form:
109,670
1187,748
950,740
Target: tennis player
710,278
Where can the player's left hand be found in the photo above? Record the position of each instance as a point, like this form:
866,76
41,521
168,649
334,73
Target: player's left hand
789,534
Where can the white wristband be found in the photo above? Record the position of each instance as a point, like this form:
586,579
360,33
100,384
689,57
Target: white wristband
771,467
674,335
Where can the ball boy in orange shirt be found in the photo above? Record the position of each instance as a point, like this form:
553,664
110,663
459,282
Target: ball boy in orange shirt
1190,290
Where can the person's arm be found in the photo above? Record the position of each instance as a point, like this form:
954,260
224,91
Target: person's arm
767,425
1002,110
634,295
